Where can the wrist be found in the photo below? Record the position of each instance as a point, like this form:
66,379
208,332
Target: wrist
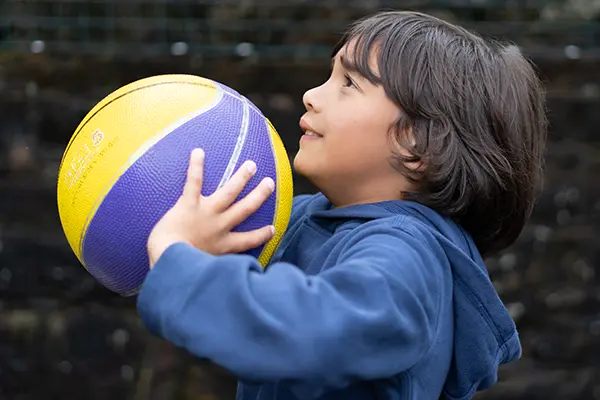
155,251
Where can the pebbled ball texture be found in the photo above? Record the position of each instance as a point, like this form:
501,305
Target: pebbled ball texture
125,166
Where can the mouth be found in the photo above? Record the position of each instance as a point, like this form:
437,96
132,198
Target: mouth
308,130
312,134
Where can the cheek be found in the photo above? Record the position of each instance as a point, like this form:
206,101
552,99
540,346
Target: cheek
364,138
360,142
347,117
358,126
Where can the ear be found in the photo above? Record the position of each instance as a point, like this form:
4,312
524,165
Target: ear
405,143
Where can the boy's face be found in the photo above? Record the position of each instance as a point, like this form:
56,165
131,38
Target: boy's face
347,146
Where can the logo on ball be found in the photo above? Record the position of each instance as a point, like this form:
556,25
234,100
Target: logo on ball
97,137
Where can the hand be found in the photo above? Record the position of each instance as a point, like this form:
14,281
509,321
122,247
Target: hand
206,222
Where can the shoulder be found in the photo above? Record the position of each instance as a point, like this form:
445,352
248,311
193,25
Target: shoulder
400,228
397,240
401,253
402,247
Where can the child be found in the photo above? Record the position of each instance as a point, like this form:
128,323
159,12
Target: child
426,143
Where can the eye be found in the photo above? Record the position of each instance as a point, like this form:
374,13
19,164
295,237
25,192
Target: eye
348,82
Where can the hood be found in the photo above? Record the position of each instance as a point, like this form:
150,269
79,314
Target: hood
485,335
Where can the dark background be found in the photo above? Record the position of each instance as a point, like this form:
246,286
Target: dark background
64,337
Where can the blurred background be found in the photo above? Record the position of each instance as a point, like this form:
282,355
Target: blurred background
64,337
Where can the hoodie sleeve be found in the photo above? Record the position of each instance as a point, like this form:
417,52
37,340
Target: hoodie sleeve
371,316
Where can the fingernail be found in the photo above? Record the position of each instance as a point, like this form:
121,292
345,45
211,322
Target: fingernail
270,183
198,153
272,230
251,166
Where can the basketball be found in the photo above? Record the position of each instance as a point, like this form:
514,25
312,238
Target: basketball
125,167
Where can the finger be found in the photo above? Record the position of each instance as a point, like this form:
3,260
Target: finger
238,242
230,191
247,206
193,184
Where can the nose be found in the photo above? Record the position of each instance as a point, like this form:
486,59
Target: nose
310,99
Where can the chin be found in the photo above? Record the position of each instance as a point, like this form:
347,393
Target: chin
307,169
303,167
298,164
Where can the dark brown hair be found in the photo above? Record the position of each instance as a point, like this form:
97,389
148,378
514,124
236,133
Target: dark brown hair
475,112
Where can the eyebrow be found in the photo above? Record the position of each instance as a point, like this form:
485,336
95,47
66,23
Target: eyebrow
349,64
346,63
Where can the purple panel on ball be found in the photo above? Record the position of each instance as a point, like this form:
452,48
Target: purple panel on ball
114,248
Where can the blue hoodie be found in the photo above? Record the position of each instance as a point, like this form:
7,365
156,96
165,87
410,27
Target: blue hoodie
376,301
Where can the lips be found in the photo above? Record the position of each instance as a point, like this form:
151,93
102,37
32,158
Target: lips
308,130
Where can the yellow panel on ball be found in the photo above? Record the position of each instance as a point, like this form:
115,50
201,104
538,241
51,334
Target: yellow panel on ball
285,195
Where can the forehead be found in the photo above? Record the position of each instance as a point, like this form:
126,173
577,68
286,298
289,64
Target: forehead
356,56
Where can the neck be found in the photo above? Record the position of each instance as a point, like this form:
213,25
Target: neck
371,191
